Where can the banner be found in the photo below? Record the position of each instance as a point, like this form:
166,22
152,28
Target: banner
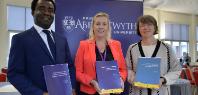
73,19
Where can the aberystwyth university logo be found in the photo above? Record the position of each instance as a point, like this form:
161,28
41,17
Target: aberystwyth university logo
69,23
83,24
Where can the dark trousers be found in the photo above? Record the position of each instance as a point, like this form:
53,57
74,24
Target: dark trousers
82,93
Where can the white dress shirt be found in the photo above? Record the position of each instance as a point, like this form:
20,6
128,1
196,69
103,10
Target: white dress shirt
44,36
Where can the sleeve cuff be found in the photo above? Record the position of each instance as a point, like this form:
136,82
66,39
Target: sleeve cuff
165,81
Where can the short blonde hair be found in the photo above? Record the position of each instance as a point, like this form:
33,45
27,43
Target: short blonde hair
91,31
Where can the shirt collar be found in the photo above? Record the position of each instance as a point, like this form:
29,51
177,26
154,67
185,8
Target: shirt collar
40,29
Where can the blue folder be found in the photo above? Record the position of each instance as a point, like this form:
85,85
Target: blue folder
108,77
148,72
57,79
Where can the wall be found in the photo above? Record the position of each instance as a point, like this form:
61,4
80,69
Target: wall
180,18
161,16
4,34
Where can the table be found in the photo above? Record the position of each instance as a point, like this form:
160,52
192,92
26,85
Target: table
181,87
7,89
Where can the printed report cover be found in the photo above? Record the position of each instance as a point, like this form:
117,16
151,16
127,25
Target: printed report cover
148,72
108,77
57,79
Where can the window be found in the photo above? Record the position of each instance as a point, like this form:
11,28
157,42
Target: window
19,19
29,19
184,32
197,42
184,46
10,37
168,32
176,32
26,19
176,35
168,42
14,14
179,47
175,46
197,38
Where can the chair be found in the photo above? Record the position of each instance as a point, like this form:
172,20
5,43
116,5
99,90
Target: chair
196,77
3,77
190,76
195,73
196,69
4,70
183,74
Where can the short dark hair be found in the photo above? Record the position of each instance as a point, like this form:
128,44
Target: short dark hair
34,3
147,19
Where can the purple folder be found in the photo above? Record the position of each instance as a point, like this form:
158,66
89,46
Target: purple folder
108,77
57,79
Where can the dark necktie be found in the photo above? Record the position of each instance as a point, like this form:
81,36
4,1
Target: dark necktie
51,43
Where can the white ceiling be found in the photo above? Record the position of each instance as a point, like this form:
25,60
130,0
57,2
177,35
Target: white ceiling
181,6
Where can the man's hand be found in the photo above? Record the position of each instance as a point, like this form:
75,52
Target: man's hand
45,93
95,85
73,92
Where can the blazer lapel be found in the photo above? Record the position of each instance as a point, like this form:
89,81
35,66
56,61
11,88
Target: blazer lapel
41,43
113,49
92,53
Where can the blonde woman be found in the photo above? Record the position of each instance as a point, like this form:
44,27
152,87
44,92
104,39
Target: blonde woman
98,47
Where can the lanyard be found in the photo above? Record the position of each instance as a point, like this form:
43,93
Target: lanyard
102,57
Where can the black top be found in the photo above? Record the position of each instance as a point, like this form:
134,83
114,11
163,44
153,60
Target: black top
109,56
155,51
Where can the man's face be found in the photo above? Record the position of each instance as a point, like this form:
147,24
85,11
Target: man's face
43,14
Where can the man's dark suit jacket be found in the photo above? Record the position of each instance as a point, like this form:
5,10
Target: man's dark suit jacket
28,55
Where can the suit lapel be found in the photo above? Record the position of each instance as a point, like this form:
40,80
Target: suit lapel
58,43
41,43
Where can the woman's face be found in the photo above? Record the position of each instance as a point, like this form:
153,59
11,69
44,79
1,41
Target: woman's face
146,30
100,27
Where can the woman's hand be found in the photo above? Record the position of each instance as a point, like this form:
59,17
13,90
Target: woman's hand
95,85
131,77
122,85
162,81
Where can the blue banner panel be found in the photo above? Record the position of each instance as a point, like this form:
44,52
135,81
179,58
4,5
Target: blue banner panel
73,19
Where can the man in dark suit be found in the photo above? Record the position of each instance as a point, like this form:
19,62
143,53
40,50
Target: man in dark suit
35,48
